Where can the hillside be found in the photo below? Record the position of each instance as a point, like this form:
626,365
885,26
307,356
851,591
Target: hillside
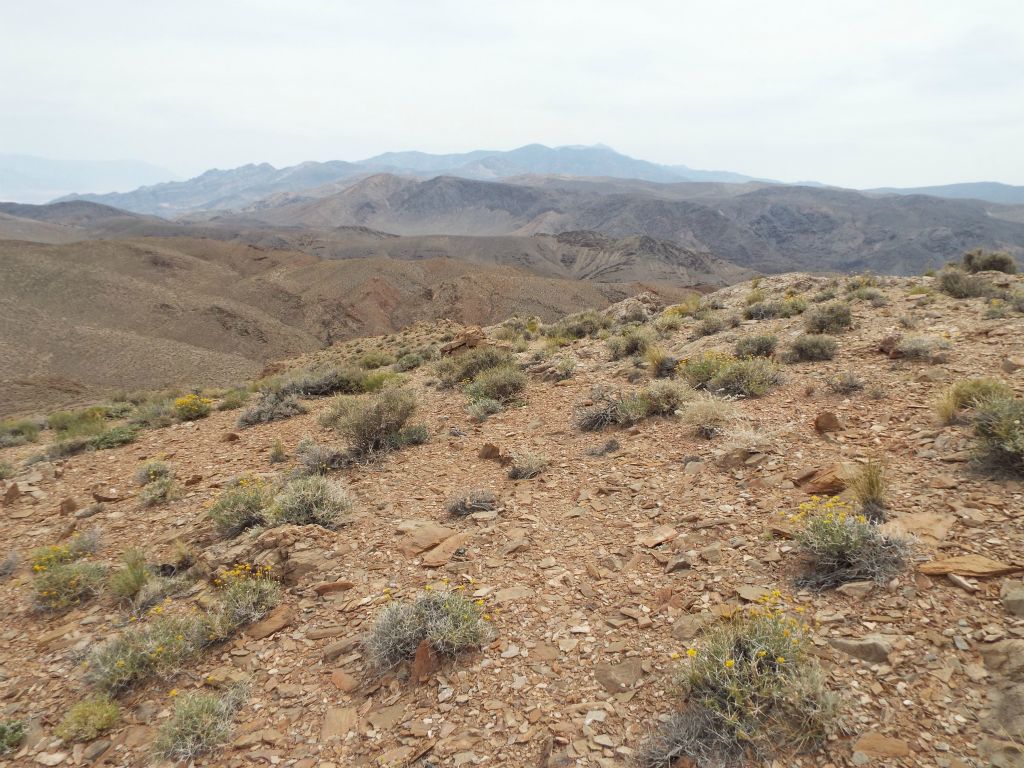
593,588
89,318
767,228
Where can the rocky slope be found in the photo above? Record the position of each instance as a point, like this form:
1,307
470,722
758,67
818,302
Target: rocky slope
589,626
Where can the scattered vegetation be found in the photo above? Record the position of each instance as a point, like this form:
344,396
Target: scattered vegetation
839,546
578,325
88,719
752,690
921,347
869,487
996,261
708,416
999,426
128,580
63,585
483,407
271,406
660,364
277,453
200,723
450,622
832,317
501,384
718,372
961,285
463,368
308,501
241,505
814,346
846,383
659,398
318,459
12,734
756,346
477,500
376,359
375,424
765,310
709,326
18,432
191,407
527,467
632,341
233,399
968,394
159,491
6,470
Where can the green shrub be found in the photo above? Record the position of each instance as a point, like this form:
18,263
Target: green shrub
483,407
845,383
753,377
999,426
578,325
241,506
867,293
408,362
309,500
527,467
961,285
153,414
322,382
150,471
478,500
450,622
814,346
317,459
271,406
634,341
191,407
920,347
277,453
160,491
455,370
869,487
12,734
838,547
756,296
376,359
63,585
709,326
126,582
829,318
663,398
701,369
502,383
660,364
89,719
968,394
18,432
6,470
980,261
114,437
827,294
372,424
753,691
84,422
200,723
756,346
233,399
246,596
764,310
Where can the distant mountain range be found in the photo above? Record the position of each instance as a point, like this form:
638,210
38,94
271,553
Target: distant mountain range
992,191
30,179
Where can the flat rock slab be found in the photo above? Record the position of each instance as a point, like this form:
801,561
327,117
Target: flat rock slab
421,535
616,678
510,594
876,745
338,721
969,565
275,622
443,552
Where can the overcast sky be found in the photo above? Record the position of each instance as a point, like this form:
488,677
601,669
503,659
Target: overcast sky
867,93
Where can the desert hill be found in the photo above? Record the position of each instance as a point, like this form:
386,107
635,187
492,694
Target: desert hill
91,317
589,589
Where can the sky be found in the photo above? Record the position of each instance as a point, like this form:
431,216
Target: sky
865,94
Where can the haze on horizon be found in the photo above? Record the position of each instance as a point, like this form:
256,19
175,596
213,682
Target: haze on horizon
866,95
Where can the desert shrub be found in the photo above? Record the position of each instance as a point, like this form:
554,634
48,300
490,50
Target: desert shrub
867,293
477,500
828,294
375,359
578,325
633,341
464,367
84,422
981,261
605,412
832,317
660,364
755,296
1016,300
9,565
483,407
756,346
241,506
920,347
839,546
246,595
126,582
64,585
156,589
708,416
968,394
609,446
153,414
527,467
764,310
200,723
450,622
277,453
233,399
89,718
372,424
78,546
18,432
869,487
322,382
191,407
996,309
961,285
317,459
12,734
667,323
408,362
271,406
701,369
153,470
709,326
845,383
662,398
565,367
502,383
6,470
999,426
814,346
160,491
752,377
114,437
752,690
309,500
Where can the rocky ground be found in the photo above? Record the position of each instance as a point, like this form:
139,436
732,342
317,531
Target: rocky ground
596,575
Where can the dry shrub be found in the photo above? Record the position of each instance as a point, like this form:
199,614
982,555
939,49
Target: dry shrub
833,317
813,347
477,500
373,424
999,426
272,406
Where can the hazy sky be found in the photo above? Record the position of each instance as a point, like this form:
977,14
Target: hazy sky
867,93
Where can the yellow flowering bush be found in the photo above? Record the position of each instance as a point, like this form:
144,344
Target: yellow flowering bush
751,688
192,407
